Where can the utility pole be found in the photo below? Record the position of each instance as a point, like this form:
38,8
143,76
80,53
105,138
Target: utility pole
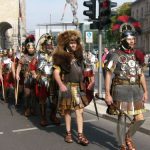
100,64
104,18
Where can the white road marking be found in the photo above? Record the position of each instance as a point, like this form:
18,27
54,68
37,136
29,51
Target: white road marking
26,129
91,120
50,126
1,132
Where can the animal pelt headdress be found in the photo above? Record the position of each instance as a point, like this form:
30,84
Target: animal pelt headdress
62,55
67,36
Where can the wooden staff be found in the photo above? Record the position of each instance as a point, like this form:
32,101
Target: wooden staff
16,92
3,90
16,84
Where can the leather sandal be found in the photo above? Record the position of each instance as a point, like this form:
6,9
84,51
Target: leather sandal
82,139
27,112
130,144
123,147
68,137
44,123
55,120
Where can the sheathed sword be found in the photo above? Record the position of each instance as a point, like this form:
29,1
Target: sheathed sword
122,112
95,106
133,126
115,106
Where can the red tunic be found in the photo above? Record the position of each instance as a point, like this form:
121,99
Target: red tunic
40,90
8,79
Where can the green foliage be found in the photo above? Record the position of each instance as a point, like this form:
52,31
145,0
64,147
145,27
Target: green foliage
124,9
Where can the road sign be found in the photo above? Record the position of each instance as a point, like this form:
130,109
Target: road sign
89,37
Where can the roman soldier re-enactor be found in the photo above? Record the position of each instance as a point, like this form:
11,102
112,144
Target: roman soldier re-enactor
29,82
46,87
88,74
1,77
125,97
68,73
19,83
7,72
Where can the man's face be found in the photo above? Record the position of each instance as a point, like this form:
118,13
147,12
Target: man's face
10,53
31,49
49,47
131,41
73,45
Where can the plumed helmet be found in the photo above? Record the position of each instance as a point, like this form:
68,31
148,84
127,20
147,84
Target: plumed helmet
29,42
67,36
127,33
29,39
125,23
127,27
46,43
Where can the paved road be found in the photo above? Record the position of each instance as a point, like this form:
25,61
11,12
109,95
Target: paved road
19,133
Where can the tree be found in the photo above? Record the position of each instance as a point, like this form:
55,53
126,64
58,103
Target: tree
124,9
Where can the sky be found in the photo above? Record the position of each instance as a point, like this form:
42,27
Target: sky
46,11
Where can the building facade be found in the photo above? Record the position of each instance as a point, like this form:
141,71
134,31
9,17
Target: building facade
140,10
12,23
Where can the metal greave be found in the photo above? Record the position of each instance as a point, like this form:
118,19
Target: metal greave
121,129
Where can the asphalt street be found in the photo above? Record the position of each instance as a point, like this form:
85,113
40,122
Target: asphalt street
20,133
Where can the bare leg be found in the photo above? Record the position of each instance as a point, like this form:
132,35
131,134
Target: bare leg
68,120
79,118
68,137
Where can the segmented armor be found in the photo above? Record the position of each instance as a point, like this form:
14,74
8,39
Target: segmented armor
7,71
25,61
44,69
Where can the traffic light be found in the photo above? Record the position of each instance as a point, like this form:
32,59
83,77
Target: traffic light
105,12
91,13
